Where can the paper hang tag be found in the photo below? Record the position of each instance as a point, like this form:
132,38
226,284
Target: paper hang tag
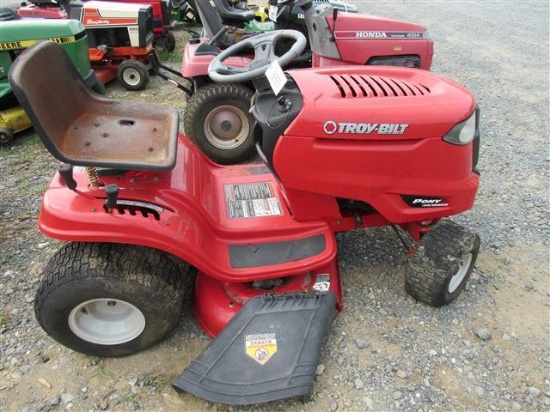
276,77
273,13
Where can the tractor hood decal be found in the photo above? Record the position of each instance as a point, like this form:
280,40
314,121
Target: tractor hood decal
24,44
331,127
380,35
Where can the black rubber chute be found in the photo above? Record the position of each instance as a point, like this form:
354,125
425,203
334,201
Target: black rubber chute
268,351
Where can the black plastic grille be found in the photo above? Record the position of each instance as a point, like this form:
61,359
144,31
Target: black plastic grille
353,86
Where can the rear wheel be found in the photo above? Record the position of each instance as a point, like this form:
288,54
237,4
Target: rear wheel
218,121
6,135
133,75
166,43
442,263
113,300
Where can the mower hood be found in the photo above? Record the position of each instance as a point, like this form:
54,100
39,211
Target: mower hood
377,103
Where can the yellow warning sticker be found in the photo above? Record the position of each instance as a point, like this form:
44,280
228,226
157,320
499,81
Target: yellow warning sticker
23,44
261,347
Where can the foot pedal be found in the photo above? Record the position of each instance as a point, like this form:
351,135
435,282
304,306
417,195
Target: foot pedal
268,351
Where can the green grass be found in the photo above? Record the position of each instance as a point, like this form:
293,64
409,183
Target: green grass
173,57
126,398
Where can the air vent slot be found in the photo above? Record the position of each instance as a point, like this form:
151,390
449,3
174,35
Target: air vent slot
138,209
353,86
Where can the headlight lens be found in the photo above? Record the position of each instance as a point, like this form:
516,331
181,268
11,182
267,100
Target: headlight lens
464,132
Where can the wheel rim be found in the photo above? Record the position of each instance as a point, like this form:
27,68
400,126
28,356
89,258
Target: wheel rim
131,76
226,127
461,273
106,321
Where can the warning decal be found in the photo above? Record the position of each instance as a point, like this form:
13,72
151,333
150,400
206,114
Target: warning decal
252,200
261,347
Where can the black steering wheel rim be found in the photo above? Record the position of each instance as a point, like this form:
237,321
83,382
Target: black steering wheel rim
264,55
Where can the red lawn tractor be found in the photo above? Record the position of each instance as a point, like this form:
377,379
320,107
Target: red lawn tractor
162,23
142,210
120,36
217,117
61,9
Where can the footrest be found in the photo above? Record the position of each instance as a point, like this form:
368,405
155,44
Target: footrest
268,351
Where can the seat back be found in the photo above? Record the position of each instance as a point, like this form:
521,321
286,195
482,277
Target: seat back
83,128
232,15
211,21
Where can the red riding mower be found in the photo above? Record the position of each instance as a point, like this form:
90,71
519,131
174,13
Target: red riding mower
345,148
217,118
61,9
120,38
162,23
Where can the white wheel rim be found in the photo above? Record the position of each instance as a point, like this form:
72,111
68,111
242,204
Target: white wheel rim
226,127
131,76
460,274
106,321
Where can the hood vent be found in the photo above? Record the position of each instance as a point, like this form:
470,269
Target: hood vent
351,86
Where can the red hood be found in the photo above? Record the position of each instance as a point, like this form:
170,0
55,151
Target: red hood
378,103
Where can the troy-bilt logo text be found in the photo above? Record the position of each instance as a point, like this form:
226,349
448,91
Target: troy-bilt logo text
331,127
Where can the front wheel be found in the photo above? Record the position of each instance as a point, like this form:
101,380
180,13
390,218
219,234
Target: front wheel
133,75
218,121
111,300
442,263
6,135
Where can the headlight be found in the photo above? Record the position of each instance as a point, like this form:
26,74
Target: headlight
464,132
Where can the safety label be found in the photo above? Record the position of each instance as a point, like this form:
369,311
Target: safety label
252,200
322,284
261,346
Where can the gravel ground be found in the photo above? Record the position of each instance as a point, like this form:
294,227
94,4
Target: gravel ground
489,350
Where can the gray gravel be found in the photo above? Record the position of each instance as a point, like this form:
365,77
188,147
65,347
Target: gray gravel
489,350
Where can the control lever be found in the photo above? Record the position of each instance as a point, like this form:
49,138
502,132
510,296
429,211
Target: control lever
112,196
217,36
66,172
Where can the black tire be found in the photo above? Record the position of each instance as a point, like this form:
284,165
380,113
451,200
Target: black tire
442,263
133,75
136,291
165,43
218,121
6,135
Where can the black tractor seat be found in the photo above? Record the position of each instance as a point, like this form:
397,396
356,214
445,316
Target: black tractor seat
83,128
231,15
213,27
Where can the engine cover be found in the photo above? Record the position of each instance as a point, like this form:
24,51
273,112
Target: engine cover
372,134
388,103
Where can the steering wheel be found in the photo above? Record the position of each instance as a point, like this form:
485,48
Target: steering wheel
264,55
